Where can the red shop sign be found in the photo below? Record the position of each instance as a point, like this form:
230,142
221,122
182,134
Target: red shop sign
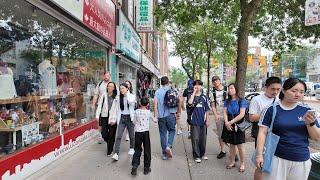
99,15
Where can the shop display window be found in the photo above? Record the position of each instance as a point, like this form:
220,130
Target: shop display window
47,71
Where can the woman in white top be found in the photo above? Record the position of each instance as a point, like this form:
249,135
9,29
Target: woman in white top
125,104
103,112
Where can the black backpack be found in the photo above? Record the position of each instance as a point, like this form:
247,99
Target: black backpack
255,127
214,94
171,98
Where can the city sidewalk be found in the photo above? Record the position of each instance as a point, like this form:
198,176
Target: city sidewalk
90,162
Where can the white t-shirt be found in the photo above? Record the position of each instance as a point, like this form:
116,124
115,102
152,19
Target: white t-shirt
141,120
101,89
219,102
259,103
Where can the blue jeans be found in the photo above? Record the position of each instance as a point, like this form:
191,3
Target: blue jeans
167,124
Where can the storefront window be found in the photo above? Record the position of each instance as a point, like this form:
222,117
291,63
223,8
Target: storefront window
47,70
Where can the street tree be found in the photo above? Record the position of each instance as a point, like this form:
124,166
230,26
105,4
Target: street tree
178,77
279,24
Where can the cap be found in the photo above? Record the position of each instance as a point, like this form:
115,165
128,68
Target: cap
215,78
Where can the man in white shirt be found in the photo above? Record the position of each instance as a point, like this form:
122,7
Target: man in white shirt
101,89
271,90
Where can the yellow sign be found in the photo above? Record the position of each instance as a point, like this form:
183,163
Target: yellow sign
250,59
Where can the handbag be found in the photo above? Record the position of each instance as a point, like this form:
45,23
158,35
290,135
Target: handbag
244,125
113,113
270,146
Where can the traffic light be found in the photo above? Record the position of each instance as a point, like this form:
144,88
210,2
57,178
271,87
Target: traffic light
287,72
275,60
250,59
214,62
263,65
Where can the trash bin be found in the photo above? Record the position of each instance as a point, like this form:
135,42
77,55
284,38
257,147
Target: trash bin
315,168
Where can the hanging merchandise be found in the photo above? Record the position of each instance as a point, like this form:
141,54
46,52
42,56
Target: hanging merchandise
48,78
8,89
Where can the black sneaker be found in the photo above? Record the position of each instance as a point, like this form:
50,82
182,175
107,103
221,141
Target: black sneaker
221,155
134,171
236,158
146,170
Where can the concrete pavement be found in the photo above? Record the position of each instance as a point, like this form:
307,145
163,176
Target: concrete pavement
89,162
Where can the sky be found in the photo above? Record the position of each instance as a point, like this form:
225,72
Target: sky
175,61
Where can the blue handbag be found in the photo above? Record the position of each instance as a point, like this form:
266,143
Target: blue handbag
270,146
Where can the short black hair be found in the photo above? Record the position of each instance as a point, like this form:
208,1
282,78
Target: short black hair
164,80
197,82
144,101
273,80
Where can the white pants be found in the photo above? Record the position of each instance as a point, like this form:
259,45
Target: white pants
283,169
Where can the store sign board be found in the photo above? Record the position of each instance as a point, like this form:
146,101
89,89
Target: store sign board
99,15
312,12
130,10
128,40
146,62
74,7
144,15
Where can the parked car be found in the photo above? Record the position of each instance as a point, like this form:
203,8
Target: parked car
311,88
318,94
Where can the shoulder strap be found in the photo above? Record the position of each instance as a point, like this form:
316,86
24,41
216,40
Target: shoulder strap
102,104
225,90
274,113
100,84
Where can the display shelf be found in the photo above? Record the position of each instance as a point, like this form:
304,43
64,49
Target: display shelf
33,98
19,100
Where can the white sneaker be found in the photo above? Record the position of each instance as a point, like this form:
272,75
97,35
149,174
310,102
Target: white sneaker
131,152
204,158
127,137
197,160
115,157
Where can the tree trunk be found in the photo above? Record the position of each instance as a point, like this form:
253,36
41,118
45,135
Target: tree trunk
208,72
248,15
186,69
193,69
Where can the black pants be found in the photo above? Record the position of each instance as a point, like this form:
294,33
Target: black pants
198,140
108,133
142,138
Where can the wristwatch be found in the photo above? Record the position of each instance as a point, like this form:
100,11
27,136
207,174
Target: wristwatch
312,124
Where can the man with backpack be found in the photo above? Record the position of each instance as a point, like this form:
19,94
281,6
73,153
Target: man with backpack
199,121
186,94
258,103
100,91
166,103
219,95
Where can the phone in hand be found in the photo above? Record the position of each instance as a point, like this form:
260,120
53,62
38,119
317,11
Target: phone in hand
309,111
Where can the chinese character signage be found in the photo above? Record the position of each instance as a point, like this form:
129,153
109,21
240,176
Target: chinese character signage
144,15
98,15
128,40
312,12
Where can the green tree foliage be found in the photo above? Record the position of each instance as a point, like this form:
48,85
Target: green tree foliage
278,23
178,77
